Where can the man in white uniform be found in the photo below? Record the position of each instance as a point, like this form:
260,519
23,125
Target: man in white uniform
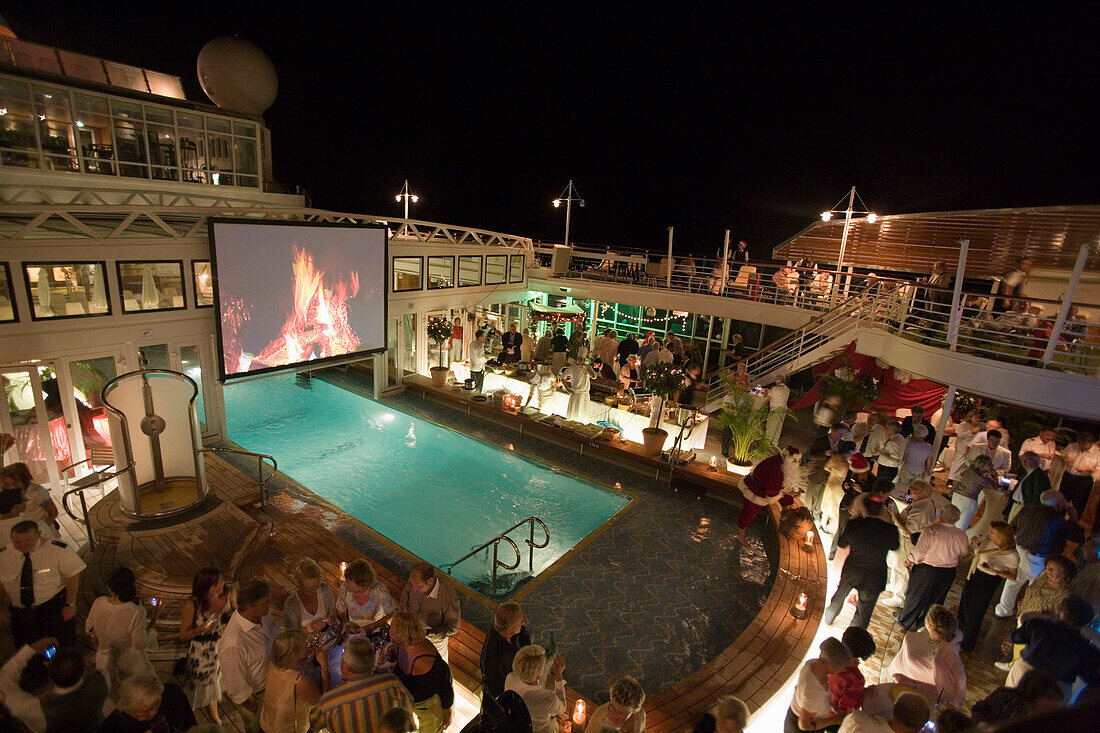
1042,445
778,396
1001,456
42,579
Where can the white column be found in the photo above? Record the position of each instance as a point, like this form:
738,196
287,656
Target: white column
1067,301
956,298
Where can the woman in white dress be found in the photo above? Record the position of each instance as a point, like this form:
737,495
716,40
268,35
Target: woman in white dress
577,379
122,629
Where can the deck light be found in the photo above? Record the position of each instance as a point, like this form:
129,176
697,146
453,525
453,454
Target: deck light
847,211
557,203
799,609
826,215
406,195
872,217
569,195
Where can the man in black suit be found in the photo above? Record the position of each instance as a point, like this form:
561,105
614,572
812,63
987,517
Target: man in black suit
510,343
917,418
870,539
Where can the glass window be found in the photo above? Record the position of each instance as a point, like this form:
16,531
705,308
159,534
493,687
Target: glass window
192,367
494,269
469,270
204,286
441,272
93,130
161,138
7,300
515,269
130,143
192,148
245,161
18,140
55,128
66,290
219,152
407,273
151,286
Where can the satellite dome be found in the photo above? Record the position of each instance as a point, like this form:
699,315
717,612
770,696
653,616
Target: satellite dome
237,75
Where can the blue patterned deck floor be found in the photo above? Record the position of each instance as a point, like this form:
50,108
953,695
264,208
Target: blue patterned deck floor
657,595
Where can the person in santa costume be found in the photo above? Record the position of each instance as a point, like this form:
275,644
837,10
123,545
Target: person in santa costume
775,480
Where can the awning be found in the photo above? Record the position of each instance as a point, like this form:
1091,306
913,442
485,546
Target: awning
568,314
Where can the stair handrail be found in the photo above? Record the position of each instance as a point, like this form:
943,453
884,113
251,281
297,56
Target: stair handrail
503,536
100,478
842,311
261,480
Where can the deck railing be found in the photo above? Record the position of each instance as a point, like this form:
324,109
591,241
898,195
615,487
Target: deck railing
503,537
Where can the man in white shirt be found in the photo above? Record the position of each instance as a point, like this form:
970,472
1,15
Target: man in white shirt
982,435
245,647
42,579
869,436
1001,456
477,360
932,567
910,715
1082,470
1042,445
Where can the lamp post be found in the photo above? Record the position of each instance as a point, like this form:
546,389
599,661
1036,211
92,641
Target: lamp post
568,195
827,215
406,196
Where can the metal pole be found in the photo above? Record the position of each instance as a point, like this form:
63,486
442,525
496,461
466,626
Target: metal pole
668,273
531,548
87,522
948,403
725,262
706,353
844,236
495,566
1067,301
956,298
405,195
568,209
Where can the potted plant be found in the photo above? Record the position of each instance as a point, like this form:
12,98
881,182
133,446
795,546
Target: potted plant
748,426
439,330
662,381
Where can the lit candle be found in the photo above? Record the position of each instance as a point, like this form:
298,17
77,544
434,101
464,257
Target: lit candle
809,538
714,463
801,605
578,713
343,567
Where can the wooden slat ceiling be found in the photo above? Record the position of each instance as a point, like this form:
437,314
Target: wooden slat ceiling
1051,236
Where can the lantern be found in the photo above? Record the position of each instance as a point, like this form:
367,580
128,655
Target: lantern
714,464
343,567
578,712
510,402
800,609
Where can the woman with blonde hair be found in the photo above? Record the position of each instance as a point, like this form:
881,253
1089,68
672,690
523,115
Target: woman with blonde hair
624,712
288,694
312,609
423,672
542,703
730,715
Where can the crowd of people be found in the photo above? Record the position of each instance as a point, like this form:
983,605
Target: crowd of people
909,538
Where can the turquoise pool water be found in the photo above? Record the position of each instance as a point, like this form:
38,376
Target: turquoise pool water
429,489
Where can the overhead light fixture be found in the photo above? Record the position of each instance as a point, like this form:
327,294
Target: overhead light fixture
826,215
872,217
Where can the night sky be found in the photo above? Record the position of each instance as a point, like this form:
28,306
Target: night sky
694,116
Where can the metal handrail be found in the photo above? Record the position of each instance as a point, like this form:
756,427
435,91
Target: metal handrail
101,477
503,536
261,480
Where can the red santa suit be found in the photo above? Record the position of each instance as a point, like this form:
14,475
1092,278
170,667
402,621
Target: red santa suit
774,481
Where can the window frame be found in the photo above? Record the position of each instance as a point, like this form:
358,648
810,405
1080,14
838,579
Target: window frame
11,294
504,270
122,299
428,274
50,264
393,274
480,274
195,284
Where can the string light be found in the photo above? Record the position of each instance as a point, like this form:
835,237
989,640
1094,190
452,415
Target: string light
620,316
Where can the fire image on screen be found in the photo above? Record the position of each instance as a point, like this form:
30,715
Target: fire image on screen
291,294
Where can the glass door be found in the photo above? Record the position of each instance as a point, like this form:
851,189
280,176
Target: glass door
33,416
82,383
185,357
393,376
408,344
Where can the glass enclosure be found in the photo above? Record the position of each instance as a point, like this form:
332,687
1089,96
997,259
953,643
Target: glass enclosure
57,129
66,290
89,376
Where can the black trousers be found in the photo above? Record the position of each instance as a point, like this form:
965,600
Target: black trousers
479,379
1077,490
727,436
887,472
28,625
927,586
865,604
977,594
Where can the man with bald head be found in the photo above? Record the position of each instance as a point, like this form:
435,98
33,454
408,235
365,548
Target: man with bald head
434,602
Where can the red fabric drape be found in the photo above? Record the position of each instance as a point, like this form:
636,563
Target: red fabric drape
894,395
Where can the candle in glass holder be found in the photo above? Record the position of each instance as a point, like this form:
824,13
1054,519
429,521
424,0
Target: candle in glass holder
578,712
801,605
714,463
343,567
809,539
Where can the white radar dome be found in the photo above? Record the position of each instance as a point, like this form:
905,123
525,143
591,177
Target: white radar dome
237,75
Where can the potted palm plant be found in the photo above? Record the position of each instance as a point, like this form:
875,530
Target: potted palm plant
662,381
748,426
439,330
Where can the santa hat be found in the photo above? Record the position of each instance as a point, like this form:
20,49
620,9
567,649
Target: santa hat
858,464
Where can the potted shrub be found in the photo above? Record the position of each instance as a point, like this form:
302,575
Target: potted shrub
662,381
439,330
748,426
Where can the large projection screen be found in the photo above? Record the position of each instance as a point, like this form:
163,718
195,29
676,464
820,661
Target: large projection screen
295,293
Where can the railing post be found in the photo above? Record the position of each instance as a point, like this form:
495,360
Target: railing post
668,274
496,543
87,523
531,547
956,298
1067,301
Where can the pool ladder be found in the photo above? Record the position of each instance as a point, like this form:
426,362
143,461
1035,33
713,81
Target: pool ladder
503,537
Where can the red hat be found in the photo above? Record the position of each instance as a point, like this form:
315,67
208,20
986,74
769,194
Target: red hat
858,464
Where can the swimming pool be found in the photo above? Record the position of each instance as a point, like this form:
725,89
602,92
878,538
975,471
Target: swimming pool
432,490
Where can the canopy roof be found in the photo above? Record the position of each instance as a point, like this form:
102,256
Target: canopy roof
1051,236
554,313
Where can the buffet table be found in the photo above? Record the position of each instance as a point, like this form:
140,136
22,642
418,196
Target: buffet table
629,424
